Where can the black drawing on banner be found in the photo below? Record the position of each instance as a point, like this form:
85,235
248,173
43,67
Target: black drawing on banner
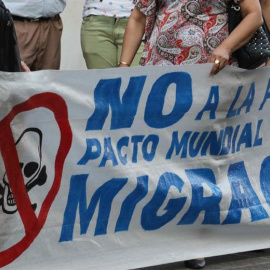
33,172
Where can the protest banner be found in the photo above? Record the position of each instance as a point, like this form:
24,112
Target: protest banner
132,167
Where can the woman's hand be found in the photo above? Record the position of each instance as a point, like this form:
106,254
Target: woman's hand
252,20
220,57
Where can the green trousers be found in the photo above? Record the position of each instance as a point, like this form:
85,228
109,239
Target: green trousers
101,41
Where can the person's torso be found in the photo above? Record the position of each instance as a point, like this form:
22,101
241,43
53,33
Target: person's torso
187,31
110,8
35,8
195,8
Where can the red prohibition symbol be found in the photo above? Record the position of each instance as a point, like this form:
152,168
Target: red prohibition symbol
32,224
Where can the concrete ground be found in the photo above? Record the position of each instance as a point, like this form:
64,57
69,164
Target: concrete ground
259,260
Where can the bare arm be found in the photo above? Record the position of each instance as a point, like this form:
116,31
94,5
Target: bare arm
266,11
133,37
252,20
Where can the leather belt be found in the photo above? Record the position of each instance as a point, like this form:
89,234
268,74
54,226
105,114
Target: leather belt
19,18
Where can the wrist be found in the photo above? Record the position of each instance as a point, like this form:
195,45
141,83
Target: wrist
227,46
124,63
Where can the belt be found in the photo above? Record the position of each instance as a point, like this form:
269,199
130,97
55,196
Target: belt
19,18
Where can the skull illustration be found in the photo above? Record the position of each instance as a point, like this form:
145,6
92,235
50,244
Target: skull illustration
29,146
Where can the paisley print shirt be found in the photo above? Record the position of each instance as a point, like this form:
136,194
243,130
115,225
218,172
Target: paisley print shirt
182,31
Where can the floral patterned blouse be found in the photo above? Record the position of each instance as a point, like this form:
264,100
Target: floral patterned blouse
182,31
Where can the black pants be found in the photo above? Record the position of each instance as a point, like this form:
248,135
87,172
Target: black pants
9,52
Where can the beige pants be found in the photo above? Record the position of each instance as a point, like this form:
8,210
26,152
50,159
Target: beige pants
40,42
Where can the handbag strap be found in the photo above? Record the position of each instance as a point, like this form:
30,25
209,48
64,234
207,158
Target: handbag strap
233,5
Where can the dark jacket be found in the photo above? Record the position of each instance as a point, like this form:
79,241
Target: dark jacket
9,52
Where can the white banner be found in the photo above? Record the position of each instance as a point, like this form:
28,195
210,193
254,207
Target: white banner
127,168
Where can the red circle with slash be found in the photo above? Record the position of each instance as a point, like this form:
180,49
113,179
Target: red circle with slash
32,224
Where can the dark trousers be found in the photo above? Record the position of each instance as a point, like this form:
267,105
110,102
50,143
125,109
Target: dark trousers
9,52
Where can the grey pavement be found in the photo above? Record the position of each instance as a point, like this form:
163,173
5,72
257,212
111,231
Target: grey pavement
259,260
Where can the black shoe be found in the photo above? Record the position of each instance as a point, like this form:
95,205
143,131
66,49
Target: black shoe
195,264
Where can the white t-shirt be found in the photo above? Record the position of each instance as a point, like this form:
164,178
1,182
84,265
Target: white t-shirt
35,8
110,8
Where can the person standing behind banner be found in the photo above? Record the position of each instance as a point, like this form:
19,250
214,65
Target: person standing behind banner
188,32
266,11
102,32
265,4
9,53
39,28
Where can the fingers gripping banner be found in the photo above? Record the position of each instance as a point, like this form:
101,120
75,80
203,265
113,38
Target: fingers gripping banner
126,168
